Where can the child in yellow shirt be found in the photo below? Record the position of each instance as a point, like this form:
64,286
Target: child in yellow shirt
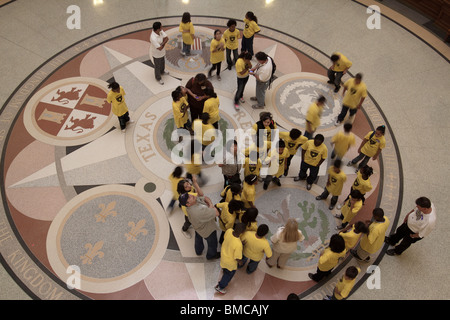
249,190
250,29
231,37
217,53
335,182
345,284
116,97
175,177
187,33
255,246
350,209
329,258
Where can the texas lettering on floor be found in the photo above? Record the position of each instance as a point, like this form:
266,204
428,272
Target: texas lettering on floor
247,309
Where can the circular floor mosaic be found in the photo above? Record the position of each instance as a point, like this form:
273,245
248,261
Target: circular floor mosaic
84,205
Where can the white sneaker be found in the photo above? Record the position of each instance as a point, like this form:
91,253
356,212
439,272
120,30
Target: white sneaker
236,107
339,206
161,82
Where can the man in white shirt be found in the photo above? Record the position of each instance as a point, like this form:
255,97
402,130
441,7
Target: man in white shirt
417,224
158,40
262,72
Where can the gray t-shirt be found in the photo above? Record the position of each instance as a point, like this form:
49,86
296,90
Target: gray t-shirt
202,218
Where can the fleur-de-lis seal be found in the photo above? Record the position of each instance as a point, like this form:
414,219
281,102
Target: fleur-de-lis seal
136,229
107,210
92,252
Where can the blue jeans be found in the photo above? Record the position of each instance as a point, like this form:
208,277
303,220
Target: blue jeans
343,113
226,278
241,82
247,44
211,241
186,49
313,172
252,265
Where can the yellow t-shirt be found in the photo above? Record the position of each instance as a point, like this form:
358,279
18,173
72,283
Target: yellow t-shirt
206,135
313,115
292,145
195,165
370,148
251,27
314,154
255,248
240,66
361,185
228,195
248,194
231,38
231,251
342,142
180,112
342,64
174,182
227,219
117,100
373,241
348,212
188,37
350,237
336,181
354,93
252,167
212,107
219,55
277,162
344,286
329,259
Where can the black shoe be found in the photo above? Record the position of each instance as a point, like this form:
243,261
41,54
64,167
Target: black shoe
330,82
391,252
337,88
265,186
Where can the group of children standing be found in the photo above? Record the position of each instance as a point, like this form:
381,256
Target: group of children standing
242,239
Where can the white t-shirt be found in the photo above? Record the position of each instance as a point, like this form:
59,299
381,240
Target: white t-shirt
156,41
422,223
265,70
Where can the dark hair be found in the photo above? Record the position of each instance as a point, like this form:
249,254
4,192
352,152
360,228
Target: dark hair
186,17
180,186
337,163
382,129
367,170
215,31
292,296
251,16
356,194
351,272
235,205
334,57
348,126
319,137
321,99
177,172
262,230
360,227
176,95
262,56
378,213
251,178
231,22
281,144
249,216
245,55
210,92
295,133
359,76
235,188
157,25
200,77
265,115
113,85
423,202
239,228
205,117
337,243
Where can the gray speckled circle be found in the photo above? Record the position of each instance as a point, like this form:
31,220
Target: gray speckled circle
108,236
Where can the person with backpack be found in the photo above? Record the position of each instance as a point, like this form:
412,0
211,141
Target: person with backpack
263,73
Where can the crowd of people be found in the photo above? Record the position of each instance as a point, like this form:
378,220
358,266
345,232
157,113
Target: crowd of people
243,240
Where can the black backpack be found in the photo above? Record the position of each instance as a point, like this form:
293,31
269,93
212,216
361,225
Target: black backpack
274,68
